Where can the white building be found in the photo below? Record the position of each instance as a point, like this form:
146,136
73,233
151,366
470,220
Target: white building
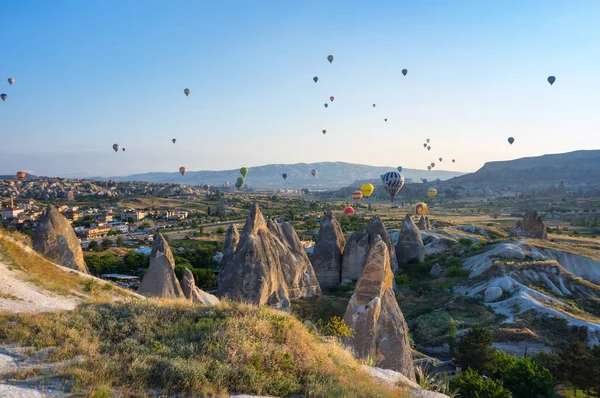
137,215
119,226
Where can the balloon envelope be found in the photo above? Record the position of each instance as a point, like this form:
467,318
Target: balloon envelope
240,181
174,140
399,168
284,175
374,105
3,96
511,140
393,182
453,160
367,189
116,147
421,209
186,92
313,172
331,98
385,120
431,192
324,131
404,71
330,58
21,175
244,171
427,140
182,170
357,195
429,168
428,148
551,80
123,149
326,105
315,79
11,81
348,210
440,159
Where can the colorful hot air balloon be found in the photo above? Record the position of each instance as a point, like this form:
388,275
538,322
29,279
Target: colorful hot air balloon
324,132
440,159
116,147
428,148
244,171
330,58
186,92
174,140
551,80
431,193
453,160
357,195
511,140
313,172
11,81
315,79
331,98
21,175
367,189
421,209
182,170
404,71
399,168
393,182
326,105
284,175
3,96
348,210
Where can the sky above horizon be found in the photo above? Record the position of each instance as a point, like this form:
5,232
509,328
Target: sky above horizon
89,74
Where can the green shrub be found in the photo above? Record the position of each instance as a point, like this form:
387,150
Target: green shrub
457,272
90,285
470,384
465,242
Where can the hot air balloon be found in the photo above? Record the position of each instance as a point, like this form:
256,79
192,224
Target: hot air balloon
399,168
427,140
313,172
421,209
393,182
511,140
326,105
440,159
330,58
21,175
244,171
324,131
385,120
284,175
551,80
374,105
182,170
367,189
429,168
123,149
3,96
432,164
239,182
424,145
174,140
116,147
453,160
348,210
11,81
424,180
186,92
431,193
404,71
428,148
357,196
331,98
315,79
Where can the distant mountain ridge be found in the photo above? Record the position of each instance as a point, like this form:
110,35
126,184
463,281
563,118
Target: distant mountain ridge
330,175
571,167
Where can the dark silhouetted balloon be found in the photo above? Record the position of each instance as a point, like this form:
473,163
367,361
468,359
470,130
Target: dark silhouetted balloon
404,71
315,79
3,96
174,140
330,58
551,80
11,81
116,147
324,132
511,140
186,92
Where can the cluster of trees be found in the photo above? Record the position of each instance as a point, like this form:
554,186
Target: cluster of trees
107,263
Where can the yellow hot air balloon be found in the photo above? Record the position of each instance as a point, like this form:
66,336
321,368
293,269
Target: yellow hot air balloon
21,175
367,190
431,193
421,209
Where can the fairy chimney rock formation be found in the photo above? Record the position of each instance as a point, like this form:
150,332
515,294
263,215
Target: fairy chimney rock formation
160,280
380,330
193,292
326,258
410,246
531,226
422,224
377,227
232,237
355,255
253,273
55,239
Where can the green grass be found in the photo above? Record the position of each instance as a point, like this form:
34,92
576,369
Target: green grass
175,348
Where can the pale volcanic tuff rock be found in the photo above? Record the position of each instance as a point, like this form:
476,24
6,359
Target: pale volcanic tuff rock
410,245
232,237
193,292
255,271
160,280
373,313
531,226
422,224
326,257
55,239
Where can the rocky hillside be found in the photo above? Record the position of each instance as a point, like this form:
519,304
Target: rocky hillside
331,175
572,167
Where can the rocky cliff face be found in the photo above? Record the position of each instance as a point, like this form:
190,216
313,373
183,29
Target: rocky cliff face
254,272
55,239
193,292
410,246
374,315
232,238
327,254
159,280
531,226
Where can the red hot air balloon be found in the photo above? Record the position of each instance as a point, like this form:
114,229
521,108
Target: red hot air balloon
357,195
348,210
182,170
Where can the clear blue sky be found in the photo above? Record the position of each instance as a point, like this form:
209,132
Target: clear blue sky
92,73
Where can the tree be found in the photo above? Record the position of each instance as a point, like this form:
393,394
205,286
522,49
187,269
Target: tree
131,220
524,377
106,242
475,350
92,245
452,330
470,384
120,241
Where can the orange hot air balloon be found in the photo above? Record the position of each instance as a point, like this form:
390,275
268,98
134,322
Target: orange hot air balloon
357,195
21,175
182,170
331,98
348,210
324,132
